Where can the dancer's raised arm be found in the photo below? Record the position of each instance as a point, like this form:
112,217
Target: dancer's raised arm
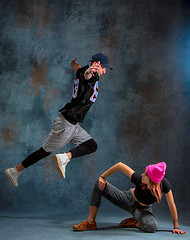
75,65
118,167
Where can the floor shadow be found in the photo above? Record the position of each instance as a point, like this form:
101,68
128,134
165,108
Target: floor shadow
128,229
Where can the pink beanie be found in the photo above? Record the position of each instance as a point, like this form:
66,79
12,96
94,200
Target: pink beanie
156,172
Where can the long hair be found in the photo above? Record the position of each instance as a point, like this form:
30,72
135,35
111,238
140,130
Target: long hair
155,189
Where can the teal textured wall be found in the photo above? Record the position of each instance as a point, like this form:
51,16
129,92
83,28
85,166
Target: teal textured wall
141,115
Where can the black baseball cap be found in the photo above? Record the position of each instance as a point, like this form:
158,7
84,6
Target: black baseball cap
102,58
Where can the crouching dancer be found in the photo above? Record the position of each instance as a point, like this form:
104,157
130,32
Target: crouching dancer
148,189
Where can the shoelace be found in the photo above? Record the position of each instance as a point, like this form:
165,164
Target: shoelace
84,224
64,162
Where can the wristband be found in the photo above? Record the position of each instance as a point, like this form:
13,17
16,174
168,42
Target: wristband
176,228
102,177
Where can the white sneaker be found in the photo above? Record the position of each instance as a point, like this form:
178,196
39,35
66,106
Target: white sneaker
13,175
61,162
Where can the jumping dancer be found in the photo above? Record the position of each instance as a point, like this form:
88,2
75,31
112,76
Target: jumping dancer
148,189
66,128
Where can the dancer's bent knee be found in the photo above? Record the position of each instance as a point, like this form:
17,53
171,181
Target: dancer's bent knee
149,225
84,148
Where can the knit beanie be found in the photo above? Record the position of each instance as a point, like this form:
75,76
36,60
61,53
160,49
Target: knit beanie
156,172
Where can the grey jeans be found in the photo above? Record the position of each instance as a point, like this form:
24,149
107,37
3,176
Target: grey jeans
126,201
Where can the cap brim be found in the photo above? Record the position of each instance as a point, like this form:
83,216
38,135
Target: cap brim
107,66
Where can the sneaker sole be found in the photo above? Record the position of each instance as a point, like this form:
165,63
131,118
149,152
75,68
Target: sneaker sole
15,185
59,167
84,229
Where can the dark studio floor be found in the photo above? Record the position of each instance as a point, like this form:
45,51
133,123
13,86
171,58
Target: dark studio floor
58,226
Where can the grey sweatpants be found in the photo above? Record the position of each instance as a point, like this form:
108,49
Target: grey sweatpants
64,132
126,201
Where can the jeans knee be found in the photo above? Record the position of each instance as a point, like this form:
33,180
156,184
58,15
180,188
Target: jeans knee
96,184
148,226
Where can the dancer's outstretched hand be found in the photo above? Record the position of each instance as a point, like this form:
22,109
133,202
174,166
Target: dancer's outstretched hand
102,183
74,64
178,231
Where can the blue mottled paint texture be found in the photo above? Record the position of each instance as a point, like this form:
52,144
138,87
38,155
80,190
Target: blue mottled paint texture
141,115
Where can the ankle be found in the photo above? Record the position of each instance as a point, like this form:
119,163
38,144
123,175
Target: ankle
18,169
69,155
91,221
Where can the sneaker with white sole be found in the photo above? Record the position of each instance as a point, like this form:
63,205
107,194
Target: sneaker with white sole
61,162
13,175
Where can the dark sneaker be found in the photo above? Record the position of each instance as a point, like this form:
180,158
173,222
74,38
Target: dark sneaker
129,223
